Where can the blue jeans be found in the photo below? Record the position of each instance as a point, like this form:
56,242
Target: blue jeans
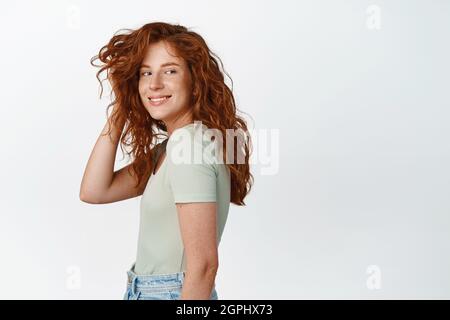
156,286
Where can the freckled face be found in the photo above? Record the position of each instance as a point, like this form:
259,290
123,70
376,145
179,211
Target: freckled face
161,75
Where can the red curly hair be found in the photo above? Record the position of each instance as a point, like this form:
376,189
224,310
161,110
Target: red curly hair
212,101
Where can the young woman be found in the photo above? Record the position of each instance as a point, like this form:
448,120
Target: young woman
167,83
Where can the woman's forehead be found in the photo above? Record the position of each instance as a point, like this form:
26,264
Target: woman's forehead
161,54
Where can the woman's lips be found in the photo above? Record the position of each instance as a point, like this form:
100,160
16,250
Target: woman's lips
158,102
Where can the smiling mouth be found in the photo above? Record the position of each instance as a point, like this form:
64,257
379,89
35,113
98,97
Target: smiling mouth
159,99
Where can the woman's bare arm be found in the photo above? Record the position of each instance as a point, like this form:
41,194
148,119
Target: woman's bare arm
100,184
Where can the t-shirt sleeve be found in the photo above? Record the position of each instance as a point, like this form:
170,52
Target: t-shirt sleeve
192,179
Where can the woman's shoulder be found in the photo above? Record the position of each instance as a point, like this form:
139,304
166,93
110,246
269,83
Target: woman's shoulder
188,135
193,140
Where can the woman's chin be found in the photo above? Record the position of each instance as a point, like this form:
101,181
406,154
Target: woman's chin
156,115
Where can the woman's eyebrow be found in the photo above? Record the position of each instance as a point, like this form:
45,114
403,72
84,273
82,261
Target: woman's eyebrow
163,65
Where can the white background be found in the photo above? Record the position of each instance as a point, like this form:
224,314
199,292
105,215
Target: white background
363,177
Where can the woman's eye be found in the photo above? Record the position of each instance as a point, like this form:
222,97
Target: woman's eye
146,72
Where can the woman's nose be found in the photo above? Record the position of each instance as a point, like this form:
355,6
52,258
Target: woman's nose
155,82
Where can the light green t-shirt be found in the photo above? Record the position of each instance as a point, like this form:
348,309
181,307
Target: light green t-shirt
181,178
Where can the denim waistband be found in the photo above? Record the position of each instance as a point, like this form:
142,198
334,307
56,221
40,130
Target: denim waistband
154,282
157,283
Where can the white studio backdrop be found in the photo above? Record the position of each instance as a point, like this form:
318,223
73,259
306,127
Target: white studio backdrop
356,91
